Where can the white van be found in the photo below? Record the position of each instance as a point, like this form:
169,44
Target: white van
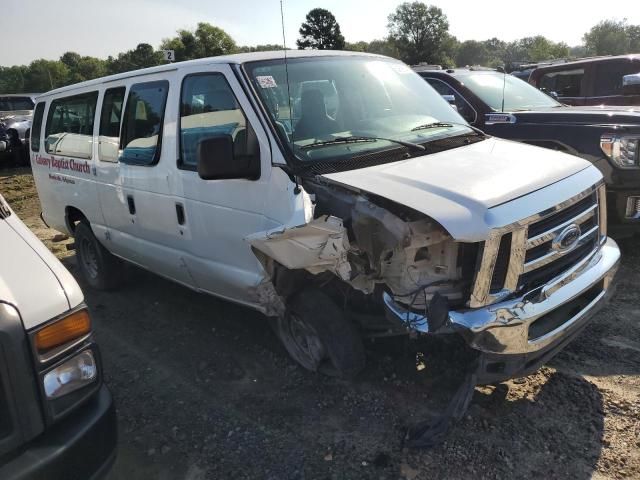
377,211
57,418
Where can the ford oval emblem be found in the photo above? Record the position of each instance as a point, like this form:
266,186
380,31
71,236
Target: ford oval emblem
567,239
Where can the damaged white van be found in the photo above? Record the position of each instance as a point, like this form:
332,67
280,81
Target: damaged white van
334,191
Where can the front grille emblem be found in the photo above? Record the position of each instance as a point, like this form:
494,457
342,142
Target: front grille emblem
567,239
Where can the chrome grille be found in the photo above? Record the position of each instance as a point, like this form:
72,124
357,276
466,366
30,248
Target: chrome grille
531,252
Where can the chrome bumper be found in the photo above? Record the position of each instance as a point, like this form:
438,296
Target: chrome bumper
504,328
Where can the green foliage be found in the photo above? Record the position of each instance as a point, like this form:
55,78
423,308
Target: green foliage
320,31
381,47
43,75
612,37
418,31
142,56
205,41
268,47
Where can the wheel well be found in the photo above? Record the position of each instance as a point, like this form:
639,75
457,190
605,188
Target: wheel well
72,217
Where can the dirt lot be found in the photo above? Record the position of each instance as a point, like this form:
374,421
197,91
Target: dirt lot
204,390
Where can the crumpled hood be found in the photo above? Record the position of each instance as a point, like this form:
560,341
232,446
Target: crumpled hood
583,115
458,187
31,277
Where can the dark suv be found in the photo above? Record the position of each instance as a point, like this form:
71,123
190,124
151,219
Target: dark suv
591,81
507,107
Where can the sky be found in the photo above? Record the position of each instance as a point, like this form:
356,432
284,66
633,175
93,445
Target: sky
47,28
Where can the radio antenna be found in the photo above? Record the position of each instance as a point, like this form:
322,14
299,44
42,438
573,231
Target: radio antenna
286,73
504,84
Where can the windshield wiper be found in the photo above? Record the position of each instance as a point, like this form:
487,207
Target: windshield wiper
447,125
361,139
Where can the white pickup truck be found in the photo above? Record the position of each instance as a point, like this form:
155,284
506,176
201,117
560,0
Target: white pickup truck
336,192
57,418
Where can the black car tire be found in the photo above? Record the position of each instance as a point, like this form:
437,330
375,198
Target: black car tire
101,269
317,335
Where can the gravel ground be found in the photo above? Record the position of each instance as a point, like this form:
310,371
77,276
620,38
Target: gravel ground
205,391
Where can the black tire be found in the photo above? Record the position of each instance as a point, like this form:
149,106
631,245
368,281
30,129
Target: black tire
317,335
101,269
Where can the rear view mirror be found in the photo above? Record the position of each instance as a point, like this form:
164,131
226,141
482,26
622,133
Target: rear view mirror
631,84
216,160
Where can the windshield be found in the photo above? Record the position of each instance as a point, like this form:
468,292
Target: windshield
8,104
518,94
376,103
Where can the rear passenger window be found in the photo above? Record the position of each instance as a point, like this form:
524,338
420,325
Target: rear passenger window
142,128
110,116
608,76
69,130
36,127
566,83
208,108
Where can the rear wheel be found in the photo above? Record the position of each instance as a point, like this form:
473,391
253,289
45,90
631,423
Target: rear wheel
318,336
99,267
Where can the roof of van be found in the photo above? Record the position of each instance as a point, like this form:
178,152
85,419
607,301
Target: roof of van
238,58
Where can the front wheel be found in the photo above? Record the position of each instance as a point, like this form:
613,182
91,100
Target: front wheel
317,335
99,267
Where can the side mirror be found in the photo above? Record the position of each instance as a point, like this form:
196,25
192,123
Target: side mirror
452,101
631,84
216,160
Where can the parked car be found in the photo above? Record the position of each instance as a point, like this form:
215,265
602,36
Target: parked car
57,419
590,81
607,137
15,121
392,215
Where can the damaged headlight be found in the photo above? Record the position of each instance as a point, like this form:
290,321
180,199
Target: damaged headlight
621,149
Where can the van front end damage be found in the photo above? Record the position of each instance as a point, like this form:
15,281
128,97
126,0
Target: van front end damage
369,249
386,260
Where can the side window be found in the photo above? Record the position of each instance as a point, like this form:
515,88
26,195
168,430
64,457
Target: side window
566,83
208,108
141,138
608,76
69,130
461,105
36,127
110,116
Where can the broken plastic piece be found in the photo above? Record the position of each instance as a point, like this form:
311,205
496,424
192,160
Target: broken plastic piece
318,246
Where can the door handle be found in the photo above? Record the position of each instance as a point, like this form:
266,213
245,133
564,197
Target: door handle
131,204
180,213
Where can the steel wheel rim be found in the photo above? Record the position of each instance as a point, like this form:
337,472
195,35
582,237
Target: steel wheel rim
89,257
307,347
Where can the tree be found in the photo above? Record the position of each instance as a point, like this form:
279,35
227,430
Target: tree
43,75
206,41
472,52
418,31
142,56
320,31
12,79
267,47
611,37
83,68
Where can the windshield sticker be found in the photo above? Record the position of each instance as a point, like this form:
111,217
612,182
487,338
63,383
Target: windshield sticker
266,81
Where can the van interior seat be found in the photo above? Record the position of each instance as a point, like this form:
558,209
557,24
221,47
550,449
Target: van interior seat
314,121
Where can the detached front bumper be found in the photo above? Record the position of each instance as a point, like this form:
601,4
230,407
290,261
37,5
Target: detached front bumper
536,323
